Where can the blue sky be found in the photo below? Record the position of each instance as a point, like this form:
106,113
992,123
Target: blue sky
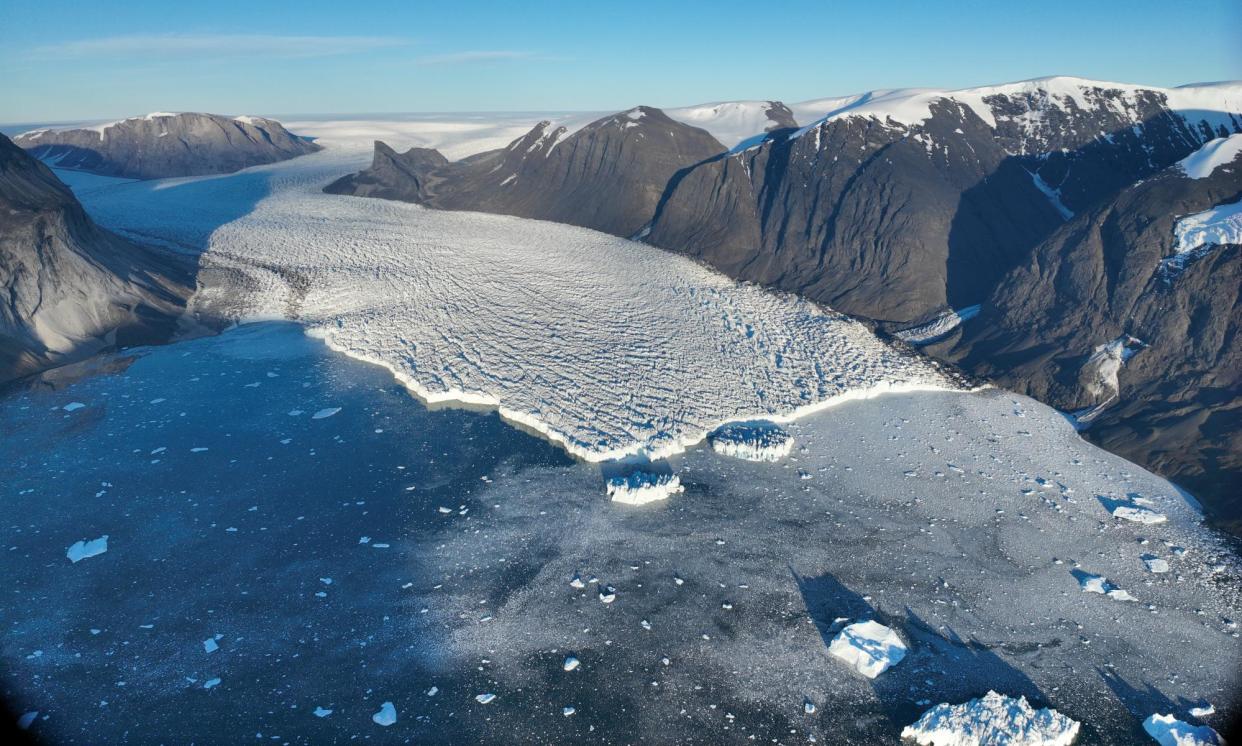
83,60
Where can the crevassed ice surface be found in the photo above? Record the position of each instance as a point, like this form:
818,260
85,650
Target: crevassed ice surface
607,346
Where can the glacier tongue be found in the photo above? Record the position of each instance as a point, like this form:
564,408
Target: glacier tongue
607,346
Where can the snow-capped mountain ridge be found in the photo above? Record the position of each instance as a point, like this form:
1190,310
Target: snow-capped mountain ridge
911,105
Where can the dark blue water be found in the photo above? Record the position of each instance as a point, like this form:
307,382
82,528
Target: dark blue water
287,542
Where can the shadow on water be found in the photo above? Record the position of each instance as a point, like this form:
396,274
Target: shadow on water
940,666
298,546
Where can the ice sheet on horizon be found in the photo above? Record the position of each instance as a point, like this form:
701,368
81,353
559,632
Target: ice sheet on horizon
608,346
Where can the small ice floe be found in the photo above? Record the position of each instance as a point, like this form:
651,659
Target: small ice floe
869,647
1099,584
576,582
386,716
322,712
567,711
295,412
808,707
640,487
199,449
485,699
1154,563
325,412
752,441
570,663
209,683
73,406
608,594
210,646
993,719
80,550
1169,731
1204,710
433,691
25,721
1138,514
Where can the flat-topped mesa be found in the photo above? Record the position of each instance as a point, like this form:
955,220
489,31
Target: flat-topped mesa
609,175
164,145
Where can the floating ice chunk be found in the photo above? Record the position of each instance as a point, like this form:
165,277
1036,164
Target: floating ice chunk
80,550
73,406
1138,514
322,712
433,691
1205,710
567,711
27,719
1099,584
640,487
869,647
199,449
570,663
808,707
1154,563
295,412
1169,731
209,683
485,699
992,720
210,646
608,594
576,582
325,412
386,716
752,441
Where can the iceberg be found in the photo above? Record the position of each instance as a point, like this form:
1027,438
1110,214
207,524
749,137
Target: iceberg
992,720
868,647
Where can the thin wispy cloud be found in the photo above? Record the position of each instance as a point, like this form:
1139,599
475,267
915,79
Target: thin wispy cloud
166,46
485,55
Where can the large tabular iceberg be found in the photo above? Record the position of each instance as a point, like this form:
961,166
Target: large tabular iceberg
607,346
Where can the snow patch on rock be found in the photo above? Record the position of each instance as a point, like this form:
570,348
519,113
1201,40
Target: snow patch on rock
1214,154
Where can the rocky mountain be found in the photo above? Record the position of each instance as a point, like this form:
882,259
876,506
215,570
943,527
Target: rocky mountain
899,205
608,175
70,288
1130,316
163,145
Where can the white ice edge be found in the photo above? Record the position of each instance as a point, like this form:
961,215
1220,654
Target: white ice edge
562,440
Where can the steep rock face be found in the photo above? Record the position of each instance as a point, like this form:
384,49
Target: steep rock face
609,175
392,175
898,205
1107,320
67,287
163,145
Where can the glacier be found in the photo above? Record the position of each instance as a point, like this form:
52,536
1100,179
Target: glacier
608,347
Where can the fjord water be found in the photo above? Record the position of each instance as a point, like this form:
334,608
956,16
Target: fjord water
294,541
233,516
